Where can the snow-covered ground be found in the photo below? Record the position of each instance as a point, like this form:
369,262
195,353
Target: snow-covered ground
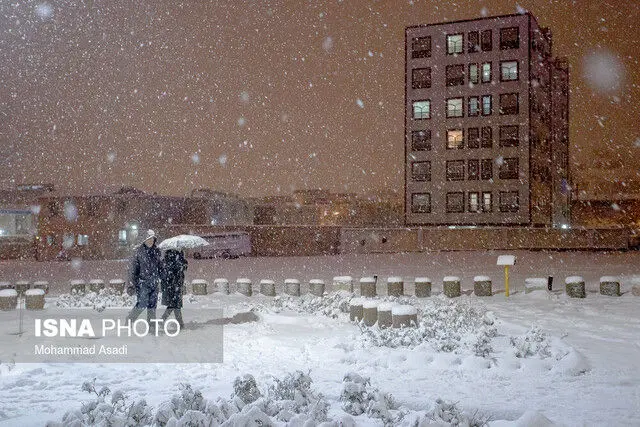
577,366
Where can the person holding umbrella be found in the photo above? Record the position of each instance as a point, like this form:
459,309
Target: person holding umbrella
145,274
175,265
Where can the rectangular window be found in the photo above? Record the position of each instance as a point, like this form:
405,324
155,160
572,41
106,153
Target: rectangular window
473,42
474,202
421,140
83,240
421,171
455,139
508,103
455,75
487,137
474,106
508,71
473,138
92,207
454,107
486,42
486,169
509,169
509,201
474,75
54,208
421,203
473,169
509,136
421,78
68,240
122,237
51,240
486,105
421,47
455,170
455,202
487,204
486,72
422,109
454,44
509,38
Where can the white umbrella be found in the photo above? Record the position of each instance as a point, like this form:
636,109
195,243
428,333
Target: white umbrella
183,241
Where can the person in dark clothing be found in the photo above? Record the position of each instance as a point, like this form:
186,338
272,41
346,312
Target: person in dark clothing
175,265
145,274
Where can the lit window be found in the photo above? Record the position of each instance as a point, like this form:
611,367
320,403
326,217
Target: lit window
454,43
486,72
474,106
486,105
509,201
474,76
455,202
421,203
455,139
122,237
83,240
421,171
421,140
474,202
421,78
455,170
454,107
509,38
422,109
508,71
421,47
486,201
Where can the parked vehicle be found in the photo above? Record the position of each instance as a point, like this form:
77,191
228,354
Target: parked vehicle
225,245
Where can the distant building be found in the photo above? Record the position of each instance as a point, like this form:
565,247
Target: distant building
486,124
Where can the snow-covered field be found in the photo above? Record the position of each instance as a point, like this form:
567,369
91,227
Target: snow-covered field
515,361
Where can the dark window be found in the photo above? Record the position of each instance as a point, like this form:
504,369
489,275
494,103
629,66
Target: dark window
509,169
487,204
508,103
421,171
473,202
421,47
486,42
473,42
474,74
421,78
455,75
421,203
421,140
455,107
455,202
54,208
473,138
455,43
509,38
455,139
92,207
487,137
486,169
422,109
474,106
509,201
455,170
508,71
509,136
473,169
486,105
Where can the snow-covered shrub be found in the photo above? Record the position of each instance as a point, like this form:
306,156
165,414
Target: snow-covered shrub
293,395
358,397
189,400
98,301
450,413
245,388
332,305
533,343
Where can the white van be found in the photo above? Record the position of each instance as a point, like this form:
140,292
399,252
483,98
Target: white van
231,244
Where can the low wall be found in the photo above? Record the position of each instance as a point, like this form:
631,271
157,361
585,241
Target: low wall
17,248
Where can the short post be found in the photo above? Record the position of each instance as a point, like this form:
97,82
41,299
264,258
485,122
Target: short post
221,285
355,310
404,316
549,283
268,287
316,287
117,286
292,287
8,299
96,285
610,286
78,286
506,261
451,286
368,287
423,287
343,283
395,286
482,286
199,287
41,284
243,285
34,299
574,286
22,286
370,312
385,318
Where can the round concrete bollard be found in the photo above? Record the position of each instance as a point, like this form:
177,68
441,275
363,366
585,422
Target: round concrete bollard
368,287
22,286
34,299
41,284
199,287
268,287
404,316
451,286
395,286
355,310
316,287
292,287
423,287
482,286
343,283
96,285
78,286
8,299
116,285
243,285
5,285
221,285
574,286
610,286
370,312
385,318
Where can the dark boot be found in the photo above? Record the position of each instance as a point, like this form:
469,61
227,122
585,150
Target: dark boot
134,314
178,313
151,315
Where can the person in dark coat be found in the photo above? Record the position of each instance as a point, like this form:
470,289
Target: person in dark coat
145,275
175,265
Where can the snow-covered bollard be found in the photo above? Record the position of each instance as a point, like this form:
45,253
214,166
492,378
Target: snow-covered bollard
41,284
574,286
482,286
356,310
368,287
370,312
635,290
22,286
5,285
78,286
423,287
221,285
199,287
451,286
532,284
292,287
343,283
268,287
8,299
395,286
117,286
34,299
610,286
385,318
96,285
243,286
316,287
404,316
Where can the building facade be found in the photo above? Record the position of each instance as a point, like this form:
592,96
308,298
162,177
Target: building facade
486,124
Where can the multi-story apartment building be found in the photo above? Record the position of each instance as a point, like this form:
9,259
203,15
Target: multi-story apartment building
486,124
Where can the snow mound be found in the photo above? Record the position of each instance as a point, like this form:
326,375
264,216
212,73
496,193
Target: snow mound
482,279
451,279
574,279
422,280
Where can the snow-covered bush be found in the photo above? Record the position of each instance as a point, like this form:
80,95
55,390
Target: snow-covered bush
98,301
358,397
533,343
245,388
293,395
451,414
332,305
